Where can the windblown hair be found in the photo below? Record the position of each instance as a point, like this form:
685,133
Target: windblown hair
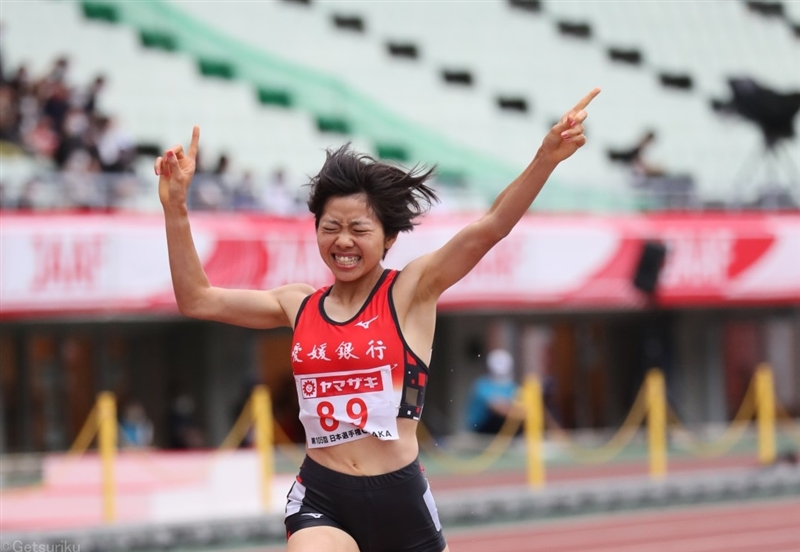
396,196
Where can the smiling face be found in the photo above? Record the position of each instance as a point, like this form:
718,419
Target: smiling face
350,238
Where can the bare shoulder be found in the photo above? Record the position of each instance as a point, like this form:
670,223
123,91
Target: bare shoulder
291,296
294,290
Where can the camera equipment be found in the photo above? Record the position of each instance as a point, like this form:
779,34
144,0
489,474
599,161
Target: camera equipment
774,113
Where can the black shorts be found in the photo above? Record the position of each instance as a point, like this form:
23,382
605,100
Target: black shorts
392,512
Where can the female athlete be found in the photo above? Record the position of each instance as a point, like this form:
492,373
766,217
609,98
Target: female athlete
361,347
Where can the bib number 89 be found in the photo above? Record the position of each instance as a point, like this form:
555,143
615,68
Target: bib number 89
356,409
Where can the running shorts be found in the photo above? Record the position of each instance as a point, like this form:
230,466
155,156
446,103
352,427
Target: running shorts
392,512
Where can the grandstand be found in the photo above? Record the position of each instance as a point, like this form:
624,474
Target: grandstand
469,86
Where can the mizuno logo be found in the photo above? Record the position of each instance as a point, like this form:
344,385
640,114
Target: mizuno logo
365,323
315,516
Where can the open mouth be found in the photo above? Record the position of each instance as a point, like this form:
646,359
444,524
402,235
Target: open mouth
346,260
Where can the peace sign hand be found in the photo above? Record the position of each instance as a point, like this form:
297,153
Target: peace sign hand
567,136
175,171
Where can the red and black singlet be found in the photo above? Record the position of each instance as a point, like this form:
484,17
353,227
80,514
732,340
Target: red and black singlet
354,378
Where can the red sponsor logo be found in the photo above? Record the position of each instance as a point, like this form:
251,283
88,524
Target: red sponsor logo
64,263
710,259
335,386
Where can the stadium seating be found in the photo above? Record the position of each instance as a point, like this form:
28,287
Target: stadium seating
320,63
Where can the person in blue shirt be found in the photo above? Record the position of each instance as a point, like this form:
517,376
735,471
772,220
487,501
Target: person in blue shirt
136,430
491,401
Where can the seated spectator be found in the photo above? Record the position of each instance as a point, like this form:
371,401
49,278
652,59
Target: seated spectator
29,196
279,199
636,157
42,139
9,115
115,147
492,400
87,99
183,432
136,430
244,194
663,189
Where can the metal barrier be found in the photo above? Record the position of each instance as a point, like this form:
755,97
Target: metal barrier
650,405
102,423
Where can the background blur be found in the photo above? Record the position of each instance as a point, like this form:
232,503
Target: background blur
671,240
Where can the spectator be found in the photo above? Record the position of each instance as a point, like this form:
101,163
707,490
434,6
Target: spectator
663,189
42,139
9,115
82,186
136,430
182,429
4,201
208,195
21,82
75,137
87,99
636,157
115,147
58,74
492,399
56,105
244,194
278,197
28,198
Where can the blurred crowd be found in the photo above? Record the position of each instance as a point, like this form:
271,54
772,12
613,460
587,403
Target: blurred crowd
60,127
46,118
84,159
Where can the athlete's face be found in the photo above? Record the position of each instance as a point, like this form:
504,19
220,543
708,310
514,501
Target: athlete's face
350,237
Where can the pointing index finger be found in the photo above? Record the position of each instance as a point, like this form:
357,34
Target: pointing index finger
586,100
194,143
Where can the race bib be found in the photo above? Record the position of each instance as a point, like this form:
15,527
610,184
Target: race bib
337,407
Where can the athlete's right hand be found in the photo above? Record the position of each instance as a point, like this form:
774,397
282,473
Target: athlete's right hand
175,170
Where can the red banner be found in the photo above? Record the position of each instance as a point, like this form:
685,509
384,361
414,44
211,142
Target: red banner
63,264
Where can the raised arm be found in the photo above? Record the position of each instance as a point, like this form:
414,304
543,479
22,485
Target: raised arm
194,294
442,268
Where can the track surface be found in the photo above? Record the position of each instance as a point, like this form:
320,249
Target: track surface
763,526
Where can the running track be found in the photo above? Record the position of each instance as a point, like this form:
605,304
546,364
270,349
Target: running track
765,526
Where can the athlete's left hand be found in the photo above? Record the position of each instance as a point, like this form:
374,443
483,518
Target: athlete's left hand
567,136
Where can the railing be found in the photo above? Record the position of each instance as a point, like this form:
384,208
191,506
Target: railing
650,409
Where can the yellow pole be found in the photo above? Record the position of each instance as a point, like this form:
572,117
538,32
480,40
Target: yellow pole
262,415
87,433
765,413
534,430
656,424
240,428
107,441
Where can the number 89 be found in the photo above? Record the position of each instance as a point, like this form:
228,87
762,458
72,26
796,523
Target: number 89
356,410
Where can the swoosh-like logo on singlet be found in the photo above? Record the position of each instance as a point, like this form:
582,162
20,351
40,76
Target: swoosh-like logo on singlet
365,323
315,516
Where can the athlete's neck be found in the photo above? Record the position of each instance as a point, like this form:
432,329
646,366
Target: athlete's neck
352,294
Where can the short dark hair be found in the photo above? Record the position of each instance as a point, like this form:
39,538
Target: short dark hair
397,196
